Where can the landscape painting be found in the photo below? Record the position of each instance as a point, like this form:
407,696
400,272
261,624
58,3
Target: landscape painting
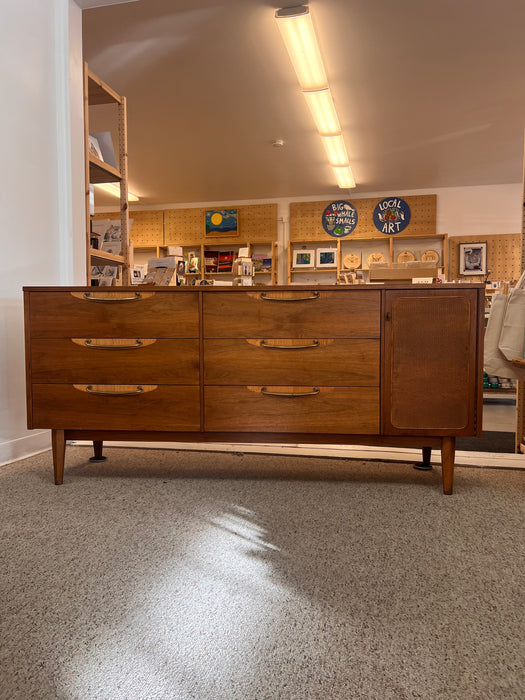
221,222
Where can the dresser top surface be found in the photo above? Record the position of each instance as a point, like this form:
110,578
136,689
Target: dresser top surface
257,288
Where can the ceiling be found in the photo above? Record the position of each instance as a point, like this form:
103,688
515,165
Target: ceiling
429,94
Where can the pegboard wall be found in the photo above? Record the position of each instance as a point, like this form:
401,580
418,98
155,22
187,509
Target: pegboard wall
146,227
256,222
305,219
503,256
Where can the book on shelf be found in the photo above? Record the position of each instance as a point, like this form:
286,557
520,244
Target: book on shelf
211,261
225,262
138,273
104,275
193,263
262,262
109,235
243,267
162,276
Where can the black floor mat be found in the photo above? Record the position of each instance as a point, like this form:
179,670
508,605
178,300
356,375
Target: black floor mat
491,441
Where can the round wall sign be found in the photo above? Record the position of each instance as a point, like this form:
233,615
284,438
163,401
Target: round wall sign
391,215
339,219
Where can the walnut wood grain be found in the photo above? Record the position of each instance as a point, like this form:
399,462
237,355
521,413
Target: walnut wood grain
331,315
333,409
58,443
165,408
430,373
334,362
164,361
156,315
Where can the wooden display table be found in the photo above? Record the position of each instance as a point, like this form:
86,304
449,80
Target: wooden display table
394,365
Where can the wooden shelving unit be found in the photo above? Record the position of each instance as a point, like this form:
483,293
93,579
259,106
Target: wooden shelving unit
520,389
260,277
97,92
389,246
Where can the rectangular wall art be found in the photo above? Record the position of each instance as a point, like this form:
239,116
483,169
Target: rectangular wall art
221,222
472,258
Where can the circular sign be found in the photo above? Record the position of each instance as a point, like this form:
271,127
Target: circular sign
391,215
430,256
339,219
406,256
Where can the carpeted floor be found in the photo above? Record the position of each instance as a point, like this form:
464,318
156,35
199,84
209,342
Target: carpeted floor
230,576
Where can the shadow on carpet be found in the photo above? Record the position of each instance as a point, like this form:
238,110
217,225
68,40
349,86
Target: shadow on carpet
491,441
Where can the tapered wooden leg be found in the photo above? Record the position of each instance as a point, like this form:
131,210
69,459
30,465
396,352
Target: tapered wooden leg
448,452
97,451
58,443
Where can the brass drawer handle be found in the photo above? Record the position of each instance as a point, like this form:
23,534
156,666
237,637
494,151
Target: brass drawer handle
264,344
264,296
289,394
88,297
90,390
90,344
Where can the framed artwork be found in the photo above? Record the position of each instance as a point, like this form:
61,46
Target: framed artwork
304,258
326,257
221,222
472,258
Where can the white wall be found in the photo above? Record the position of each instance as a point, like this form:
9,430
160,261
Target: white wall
461,211
40,212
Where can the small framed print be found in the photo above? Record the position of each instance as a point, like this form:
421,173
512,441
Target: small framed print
472,258
221,222
326,257
304,258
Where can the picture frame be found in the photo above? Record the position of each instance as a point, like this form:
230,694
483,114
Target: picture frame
326,257
221,222
303,259
473,258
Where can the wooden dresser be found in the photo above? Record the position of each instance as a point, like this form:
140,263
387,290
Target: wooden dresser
395,365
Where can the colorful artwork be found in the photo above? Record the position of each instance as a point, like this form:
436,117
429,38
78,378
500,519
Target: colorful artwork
221,222
339,219
391,215
303,258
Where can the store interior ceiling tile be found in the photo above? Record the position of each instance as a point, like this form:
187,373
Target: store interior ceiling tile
429,94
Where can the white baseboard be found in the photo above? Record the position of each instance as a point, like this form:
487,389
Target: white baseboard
403,454
26,446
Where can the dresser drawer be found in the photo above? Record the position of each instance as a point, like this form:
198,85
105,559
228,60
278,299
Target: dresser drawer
292,314
124,314
303,409
328,362
115,361
124,407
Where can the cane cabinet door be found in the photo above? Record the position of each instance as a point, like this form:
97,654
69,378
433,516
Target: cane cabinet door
431,370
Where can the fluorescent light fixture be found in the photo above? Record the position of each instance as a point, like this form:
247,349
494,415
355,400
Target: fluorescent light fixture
111,188
297,30
335,149
323,111
344,176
